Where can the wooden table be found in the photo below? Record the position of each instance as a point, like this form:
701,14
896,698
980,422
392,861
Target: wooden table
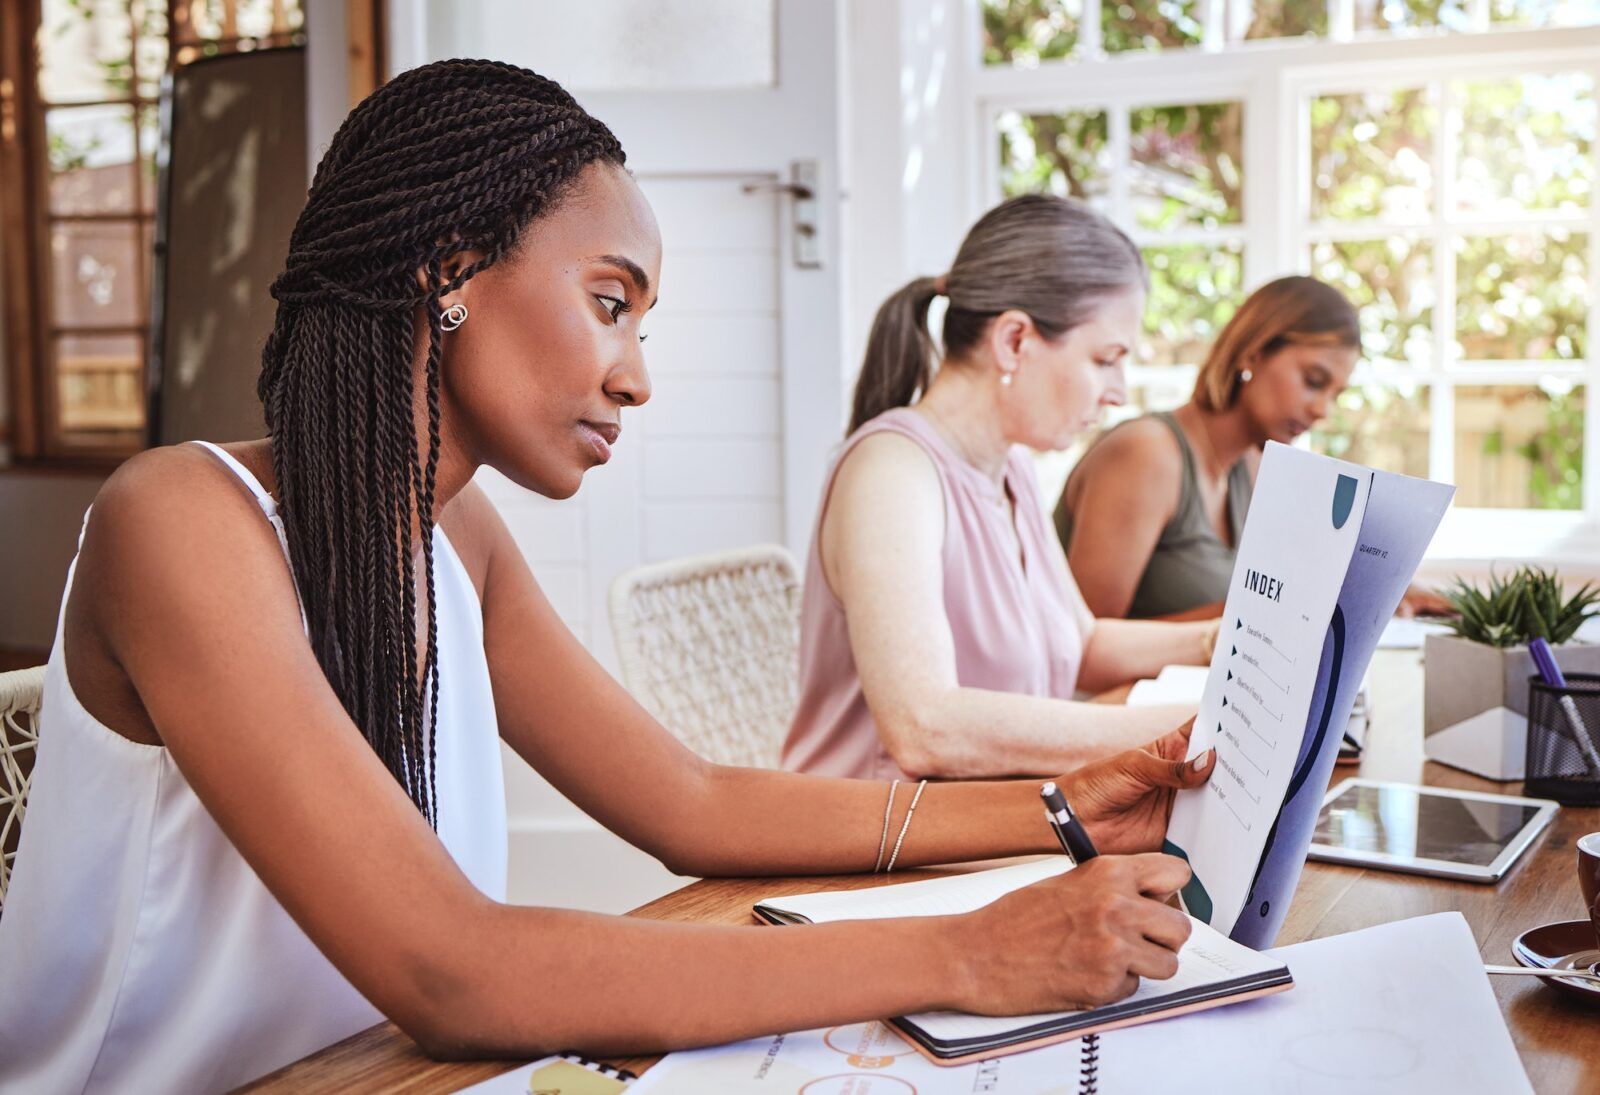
1558,1037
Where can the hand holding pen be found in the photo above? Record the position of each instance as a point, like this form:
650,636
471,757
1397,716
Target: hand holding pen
1068,829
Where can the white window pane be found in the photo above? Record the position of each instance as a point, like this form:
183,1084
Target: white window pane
1526,143
617,45
1545,13
1390,281
85,50
1187,168
1522,297
1066,154
1127,25
91,159
1021,33
1380,425
1411,14
1194,291
1520,446
1371,155
1276,18
99,382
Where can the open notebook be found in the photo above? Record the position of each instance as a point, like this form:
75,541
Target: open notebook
1212,969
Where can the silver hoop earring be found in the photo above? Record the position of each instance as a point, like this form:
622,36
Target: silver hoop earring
1244,376
453,317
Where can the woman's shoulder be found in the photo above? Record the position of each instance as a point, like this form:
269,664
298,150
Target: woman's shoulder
885,456
1143,449
167,482
173,530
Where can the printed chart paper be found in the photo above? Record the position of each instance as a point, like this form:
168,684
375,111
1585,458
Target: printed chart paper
1392,1010
1327,552
1396,1009
564,1075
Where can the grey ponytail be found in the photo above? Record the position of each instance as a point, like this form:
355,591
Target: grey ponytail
900,353
1053,258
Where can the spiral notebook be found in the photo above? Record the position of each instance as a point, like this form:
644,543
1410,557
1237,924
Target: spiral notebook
1213,970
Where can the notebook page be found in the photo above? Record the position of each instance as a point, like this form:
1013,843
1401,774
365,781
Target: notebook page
1207,958
1175,684
957,893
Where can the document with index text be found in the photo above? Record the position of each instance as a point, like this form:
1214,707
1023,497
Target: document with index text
1326,555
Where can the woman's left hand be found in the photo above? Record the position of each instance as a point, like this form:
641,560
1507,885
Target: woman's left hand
1125,800
1419,601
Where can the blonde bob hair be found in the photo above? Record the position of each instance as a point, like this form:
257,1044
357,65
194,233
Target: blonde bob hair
1293,311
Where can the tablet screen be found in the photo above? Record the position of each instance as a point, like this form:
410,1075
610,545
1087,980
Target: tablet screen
1402,821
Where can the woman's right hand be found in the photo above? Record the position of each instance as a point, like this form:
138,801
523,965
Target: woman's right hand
1081,939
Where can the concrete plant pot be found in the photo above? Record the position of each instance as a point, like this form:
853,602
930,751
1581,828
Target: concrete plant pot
1475,702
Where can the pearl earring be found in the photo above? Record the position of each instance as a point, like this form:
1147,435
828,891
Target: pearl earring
1244,377
453,317
1005,379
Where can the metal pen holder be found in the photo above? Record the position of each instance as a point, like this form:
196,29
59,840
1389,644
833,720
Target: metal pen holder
1563,760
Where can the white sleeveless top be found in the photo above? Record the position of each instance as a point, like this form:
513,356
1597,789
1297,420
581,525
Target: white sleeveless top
139,951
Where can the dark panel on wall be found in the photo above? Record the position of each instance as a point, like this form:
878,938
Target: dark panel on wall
233,181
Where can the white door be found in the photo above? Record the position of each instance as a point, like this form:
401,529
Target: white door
715,102
718,103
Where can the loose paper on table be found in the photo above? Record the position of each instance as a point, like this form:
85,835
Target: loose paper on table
1398,1009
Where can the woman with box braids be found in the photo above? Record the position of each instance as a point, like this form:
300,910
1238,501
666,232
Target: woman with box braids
270,797
447,158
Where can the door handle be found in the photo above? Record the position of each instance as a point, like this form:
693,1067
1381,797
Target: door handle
773,186
805,233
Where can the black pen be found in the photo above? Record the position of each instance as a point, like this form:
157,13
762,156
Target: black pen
1069,830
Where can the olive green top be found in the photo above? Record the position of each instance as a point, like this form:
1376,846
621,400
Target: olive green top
1190,566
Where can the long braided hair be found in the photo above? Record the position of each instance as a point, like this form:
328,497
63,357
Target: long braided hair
450,157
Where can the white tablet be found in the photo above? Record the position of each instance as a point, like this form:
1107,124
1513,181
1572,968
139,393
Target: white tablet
1427,830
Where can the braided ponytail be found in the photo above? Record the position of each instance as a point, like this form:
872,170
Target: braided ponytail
452,157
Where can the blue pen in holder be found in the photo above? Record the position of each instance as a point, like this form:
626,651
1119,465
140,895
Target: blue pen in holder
1563,760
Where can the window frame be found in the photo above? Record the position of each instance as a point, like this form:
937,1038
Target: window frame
31,433
1275,79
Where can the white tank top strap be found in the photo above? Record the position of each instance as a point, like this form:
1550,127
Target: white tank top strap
245,476
269,507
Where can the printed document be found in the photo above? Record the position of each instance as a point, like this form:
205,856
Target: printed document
1327,552
1396,1009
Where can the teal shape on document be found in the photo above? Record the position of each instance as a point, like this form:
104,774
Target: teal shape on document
1195,897
1344,499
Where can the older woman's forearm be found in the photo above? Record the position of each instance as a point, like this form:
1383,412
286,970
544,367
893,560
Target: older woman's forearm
968,733
1119,651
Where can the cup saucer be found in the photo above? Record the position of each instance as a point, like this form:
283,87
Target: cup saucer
1565,945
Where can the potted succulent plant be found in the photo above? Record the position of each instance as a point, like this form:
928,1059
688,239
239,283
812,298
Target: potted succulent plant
1475,692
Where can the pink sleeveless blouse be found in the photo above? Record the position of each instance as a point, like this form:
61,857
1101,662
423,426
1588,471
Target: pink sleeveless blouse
1015,619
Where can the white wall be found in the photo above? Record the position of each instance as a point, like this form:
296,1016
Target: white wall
906,174
700,469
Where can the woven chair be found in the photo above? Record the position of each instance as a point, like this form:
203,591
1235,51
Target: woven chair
710,646
20,693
